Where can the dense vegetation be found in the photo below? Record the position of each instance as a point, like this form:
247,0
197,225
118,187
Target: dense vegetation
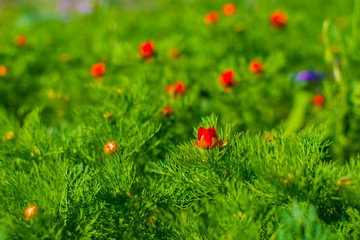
107,117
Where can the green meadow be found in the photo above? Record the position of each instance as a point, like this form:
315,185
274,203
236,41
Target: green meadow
182,119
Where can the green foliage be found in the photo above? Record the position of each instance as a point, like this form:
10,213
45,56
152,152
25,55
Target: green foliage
289,169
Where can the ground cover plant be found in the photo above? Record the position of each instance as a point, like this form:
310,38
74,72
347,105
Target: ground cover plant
180,119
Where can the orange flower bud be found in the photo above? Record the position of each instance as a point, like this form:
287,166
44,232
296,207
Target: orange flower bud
3,70
278,19
211,17
21,40
30,212
256,67
110,148
229,9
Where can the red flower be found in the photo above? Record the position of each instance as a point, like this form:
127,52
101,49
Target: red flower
167,110
211,17
176,89
208,139
229,9
278,19
110,148
147,49
3,70
256,67
227,78
98,69
318,100
21,40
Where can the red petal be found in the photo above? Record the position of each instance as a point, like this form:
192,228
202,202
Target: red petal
200,132
212,132
207,137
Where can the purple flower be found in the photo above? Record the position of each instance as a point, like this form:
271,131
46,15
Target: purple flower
80,6
308,76
83,7
64,5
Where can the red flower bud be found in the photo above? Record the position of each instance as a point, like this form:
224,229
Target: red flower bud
229,9
318,100
278,19
256,67
98,69
211,17
208,139
176,89
227,78
167,110
147,49
21,40
3,70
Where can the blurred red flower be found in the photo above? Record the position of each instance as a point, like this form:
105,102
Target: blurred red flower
167,110
3,70
211,17
20,40
229,9
176,89
208,139
98,69
227,79
278,19
256,67
147,49
318,100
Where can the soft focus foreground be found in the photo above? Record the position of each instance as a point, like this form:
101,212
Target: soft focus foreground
179,119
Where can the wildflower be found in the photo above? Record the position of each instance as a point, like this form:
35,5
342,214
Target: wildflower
176,89
80,6
3,70
110,148
21,40
342,183
35,152
229,9
147,49
107,115
208,139
278,19
211,17
167,110
308,76
318,100
227,79
174,53
119,91
256,67
268,136
98,69
30,212
8,136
